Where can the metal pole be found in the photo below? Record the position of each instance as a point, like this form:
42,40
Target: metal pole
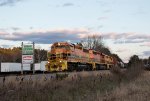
0,62
21,58
33,59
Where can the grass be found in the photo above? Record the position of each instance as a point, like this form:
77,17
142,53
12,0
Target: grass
116,86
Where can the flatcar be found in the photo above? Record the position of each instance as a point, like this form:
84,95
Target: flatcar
65,56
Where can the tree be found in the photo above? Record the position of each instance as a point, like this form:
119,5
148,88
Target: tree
149,60
40,55
95,42
133,60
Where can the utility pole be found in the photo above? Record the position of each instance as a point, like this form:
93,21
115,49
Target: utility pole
33,59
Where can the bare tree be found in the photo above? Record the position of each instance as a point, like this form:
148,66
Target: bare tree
95,42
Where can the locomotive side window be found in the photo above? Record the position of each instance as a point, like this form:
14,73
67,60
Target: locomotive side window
52,56
64,55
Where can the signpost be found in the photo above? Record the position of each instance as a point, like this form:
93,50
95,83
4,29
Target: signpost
27,55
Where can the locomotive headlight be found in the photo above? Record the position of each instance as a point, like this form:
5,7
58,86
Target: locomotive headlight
60,60
48,62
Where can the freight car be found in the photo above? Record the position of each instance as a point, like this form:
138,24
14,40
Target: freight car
65,56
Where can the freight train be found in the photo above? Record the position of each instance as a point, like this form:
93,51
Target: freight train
65,56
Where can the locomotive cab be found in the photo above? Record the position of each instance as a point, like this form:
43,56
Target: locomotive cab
57,57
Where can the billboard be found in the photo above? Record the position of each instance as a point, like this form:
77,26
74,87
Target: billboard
27,53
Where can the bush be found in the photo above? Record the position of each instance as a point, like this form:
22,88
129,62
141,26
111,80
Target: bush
134,70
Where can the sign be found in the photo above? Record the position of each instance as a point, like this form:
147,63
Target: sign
27,59
27,53
27,50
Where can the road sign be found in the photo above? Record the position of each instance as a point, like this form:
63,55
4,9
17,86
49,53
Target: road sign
27,49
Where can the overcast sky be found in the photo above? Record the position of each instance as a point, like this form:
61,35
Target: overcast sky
124,24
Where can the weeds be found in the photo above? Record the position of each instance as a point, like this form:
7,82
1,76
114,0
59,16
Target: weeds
79,87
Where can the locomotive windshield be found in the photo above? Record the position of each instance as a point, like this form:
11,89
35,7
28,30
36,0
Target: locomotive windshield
61,56
60,47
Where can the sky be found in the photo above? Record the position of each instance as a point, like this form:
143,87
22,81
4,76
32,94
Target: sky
123,24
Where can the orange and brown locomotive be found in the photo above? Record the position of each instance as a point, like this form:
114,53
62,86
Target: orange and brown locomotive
66,56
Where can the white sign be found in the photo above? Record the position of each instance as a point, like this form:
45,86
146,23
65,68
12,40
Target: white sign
27,59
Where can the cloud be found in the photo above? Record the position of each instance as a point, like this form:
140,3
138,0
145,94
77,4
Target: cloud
103,3
15,28
67,4
121,50
49,36
147,44
100,26
127,41
146,53
10,28
107,11
120,38
6,46
3,34
8,2
102,18
3,29
46,36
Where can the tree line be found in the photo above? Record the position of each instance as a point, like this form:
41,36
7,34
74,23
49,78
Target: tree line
135,59
15,55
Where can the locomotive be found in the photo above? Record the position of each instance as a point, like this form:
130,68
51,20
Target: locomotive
65,56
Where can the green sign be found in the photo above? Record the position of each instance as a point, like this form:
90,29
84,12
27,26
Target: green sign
27,50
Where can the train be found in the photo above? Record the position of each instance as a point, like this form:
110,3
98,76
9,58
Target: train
65,56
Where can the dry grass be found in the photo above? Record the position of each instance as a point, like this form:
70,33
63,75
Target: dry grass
136,90
81,87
